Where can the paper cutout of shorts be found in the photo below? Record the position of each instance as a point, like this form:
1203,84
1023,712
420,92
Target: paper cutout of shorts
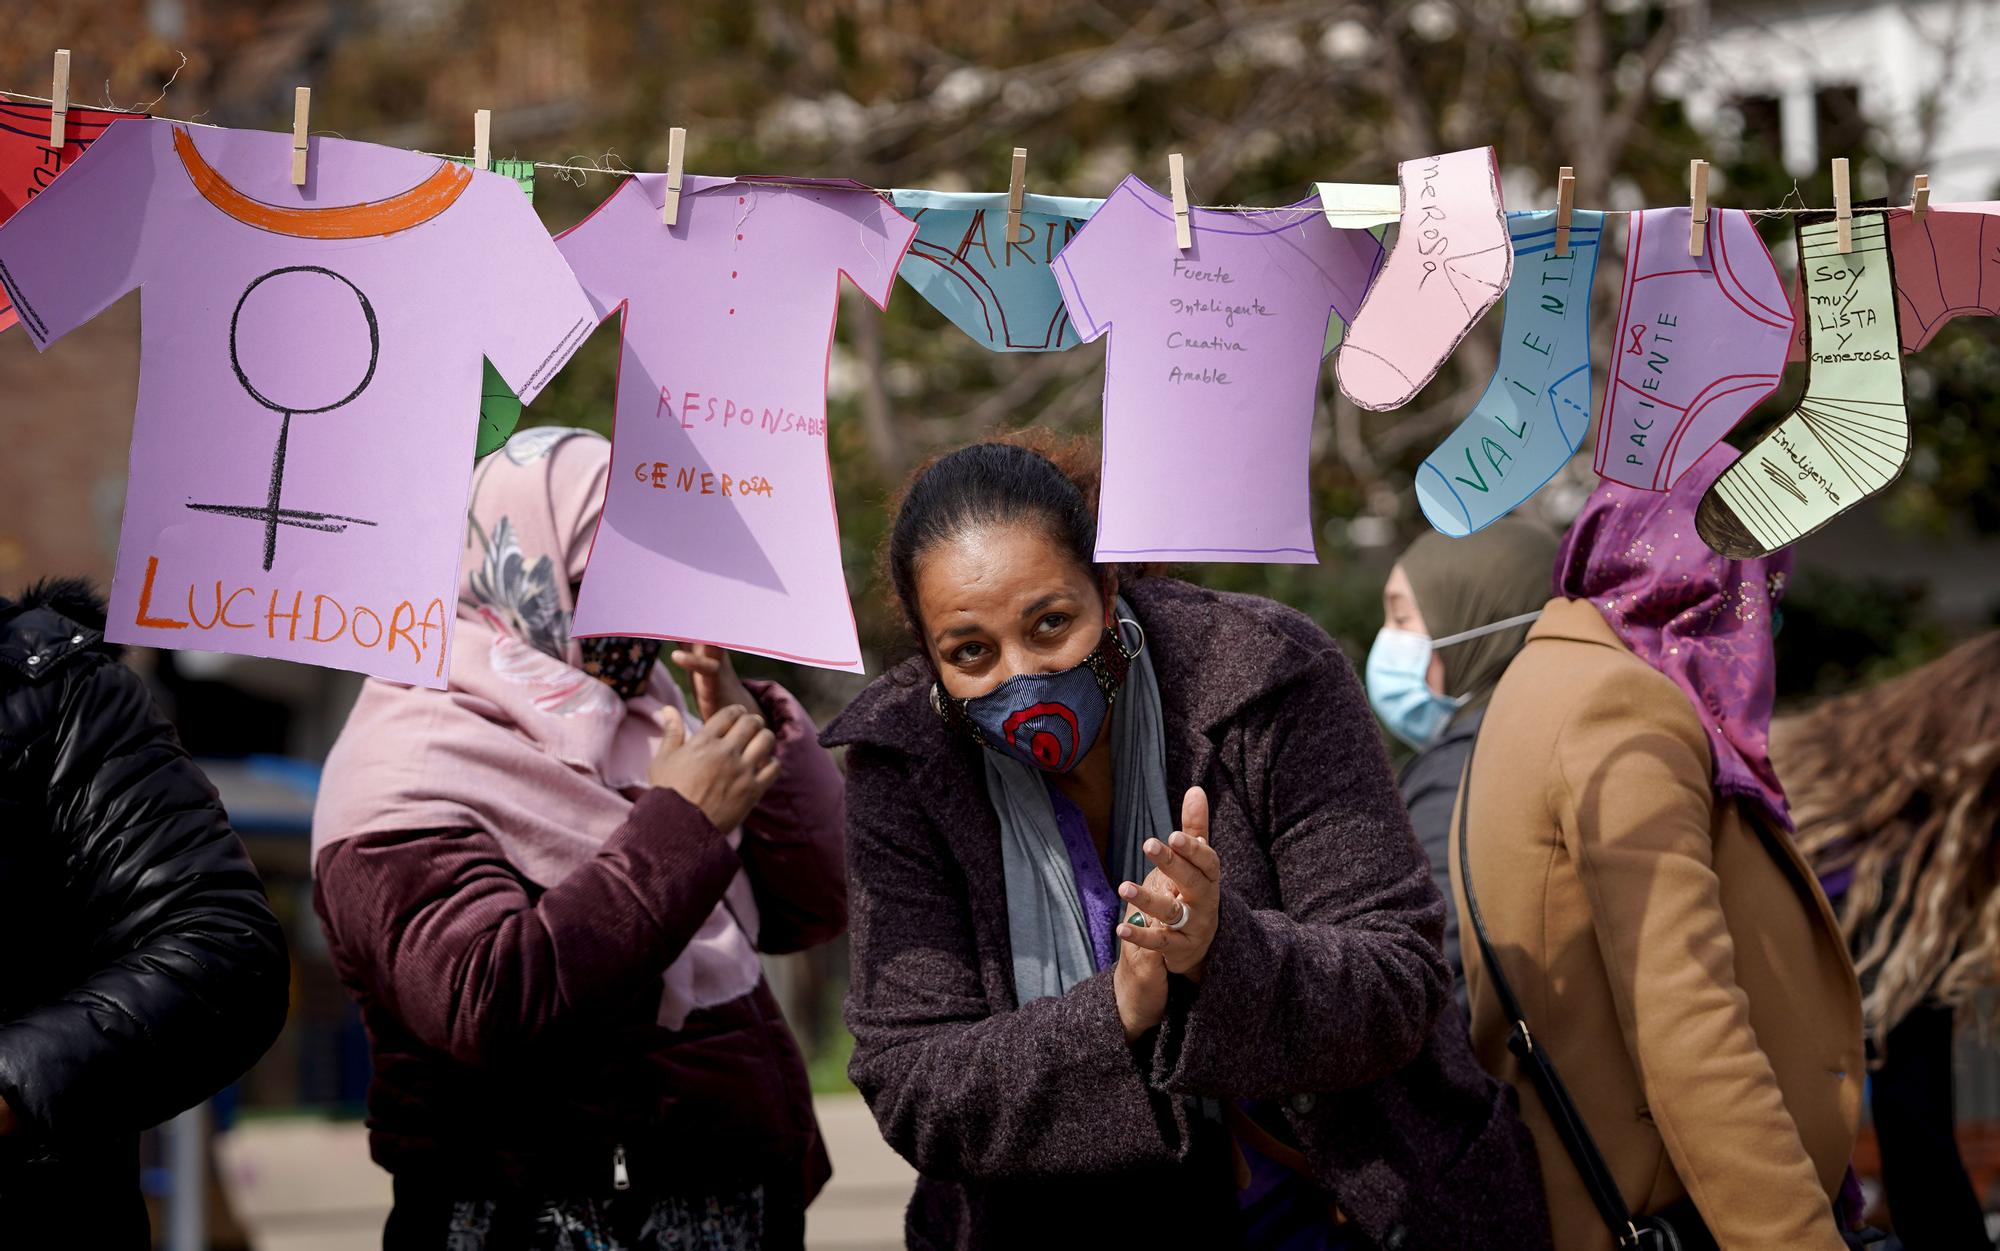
1003,295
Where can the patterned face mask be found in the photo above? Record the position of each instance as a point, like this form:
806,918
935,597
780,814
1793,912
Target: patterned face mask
621,663
1047,720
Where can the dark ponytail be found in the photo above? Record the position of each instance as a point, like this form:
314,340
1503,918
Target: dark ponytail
1034,477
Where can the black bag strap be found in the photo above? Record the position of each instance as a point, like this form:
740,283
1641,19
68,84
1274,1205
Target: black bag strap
1555,1096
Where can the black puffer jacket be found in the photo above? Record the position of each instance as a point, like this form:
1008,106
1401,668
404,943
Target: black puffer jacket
141,969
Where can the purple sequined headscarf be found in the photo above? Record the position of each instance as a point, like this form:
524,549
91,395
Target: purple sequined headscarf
1701,619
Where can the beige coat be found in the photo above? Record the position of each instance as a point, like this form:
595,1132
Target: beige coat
1680,964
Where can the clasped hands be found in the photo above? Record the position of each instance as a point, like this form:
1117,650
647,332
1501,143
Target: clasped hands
725,767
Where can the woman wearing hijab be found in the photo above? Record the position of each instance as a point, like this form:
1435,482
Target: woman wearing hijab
1143,948
1897,793
547,888
1454,612
1671,951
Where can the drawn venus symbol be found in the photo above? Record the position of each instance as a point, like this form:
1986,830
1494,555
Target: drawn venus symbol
309,334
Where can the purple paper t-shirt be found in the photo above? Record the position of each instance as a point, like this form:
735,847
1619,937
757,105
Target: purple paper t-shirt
1212,372
309,373
719,524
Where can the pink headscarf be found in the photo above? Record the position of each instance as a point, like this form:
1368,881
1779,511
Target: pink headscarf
1699,618
525,745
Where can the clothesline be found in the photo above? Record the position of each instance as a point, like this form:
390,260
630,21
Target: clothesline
727,322
561,167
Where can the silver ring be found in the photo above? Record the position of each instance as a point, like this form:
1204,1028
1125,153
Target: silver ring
1180,922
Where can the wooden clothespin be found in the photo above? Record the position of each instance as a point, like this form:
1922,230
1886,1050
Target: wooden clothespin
670,205
482,138
59,100
1017,189
1565,207
1920,196
301,106
1698,203
1177,179
1843,207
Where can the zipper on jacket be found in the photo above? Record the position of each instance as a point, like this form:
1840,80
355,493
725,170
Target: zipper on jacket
620,1178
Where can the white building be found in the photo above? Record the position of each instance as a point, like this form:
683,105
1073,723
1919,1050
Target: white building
1816,71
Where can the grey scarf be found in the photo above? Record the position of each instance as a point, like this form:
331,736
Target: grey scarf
1045,921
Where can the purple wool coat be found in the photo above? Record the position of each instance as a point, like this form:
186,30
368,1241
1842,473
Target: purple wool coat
1324,991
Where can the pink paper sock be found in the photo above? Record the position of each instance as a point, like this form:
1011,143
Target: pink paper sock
1451,262
1701,339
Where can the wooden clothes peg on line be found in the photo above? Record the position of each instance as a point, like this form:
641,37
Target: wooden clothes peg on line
1017,190
1565,207
670,203
482,139
1920,196
301,106
1843,207
1698,203
1177,180
59,101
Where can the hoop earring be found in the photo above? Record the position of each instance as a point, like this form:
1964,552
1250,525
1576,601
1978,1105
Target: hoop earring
937,701
1127,621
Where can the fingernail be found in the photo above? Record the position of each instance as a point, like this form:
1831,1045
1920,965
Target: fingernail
1127,891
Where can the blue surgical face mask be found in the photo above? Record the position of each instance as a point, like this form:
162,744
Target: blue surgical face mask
1049,721
1399,686
1399,689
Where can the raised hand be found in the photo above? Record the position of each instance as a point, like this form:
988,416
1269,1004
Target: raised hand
716,685
1186,874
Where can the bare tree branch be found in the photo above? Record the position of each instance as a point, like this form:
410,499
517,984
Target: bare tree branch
1949,44
878,426
1586,130
1347,441
1044,368
1552,114
1618,128
1401,92
1057,82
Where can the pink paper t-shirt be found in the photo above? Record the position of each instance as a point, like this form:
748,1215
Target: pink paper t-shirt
719,522
1212,372
309,367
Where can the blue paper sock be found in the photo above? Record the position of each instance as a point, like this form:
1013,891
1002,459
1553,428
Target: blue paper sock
1534,413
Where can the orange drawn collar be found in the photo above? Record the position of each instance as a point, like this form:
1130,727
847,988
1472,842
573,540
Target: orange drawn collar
348,221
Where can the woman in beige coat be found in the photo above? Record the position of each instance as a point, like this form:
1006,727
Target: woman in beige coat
1672,953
